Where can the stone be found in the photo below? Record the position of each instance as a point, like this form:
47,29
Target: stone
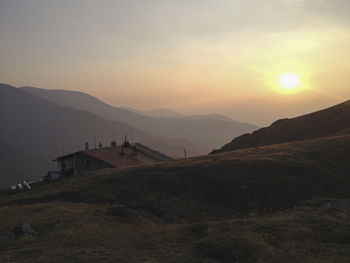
23,229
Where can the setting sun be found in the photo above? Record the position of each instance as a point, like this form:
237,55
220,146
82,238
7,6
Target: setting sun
290,81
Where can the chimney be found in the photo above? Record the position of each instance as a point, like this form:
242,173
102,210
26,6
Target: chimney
113,144
87,146
126,142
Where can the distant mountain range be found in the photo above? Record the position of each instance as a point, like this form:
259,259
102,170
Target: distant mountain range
328,122
170,114
34,131
37,125
209,130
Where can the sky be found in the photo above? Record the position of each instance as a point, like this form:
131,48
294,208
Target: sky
192,56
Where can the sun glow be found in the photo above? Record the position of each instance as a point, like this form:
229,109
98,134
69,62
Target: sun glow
290,81
289,78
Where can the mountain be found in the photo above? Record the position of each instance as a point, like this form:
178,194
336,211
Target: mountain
280,203
156,113
34,131
206,131
170,114
214,116
330,121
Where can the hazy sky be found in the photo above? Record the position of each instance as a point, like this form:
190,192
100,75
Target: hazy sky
194,56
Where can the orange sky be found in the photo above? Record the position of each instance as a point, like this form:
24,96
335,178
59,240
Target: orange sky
190,56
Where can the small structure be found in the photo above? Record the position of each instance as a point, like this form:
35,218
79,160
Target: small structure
52,176
23,186
26,185
115,156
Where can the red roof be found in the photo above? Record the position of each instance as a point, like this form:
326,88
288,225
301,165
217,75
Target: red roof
112,156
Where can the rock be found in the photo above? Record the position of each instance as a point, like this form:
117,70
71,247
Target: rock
23,229
6,240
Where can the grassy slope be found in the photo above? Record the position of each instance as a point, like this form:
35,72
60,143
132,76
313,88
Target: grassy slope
210,209
72,232
323,123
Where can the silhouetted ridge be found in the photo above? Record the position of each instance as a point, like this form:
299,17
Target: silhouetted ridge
34,131
331,121
207,130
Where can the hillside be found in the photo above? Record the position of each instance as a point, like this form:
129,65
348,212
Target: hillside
34,131
228,207
209,130
327,122
268,178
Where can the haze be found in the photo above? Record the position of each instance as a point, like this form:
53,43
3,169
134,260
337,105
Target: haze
191,56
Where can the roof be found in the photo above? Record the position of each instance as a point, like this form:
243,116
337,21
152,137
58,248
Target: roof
112,156
152,153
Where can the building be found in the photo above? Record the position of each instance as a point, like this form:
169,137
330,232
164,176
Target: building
115,156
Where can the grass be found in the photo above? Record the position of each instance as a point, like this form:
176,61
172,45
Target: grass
282,203
75,232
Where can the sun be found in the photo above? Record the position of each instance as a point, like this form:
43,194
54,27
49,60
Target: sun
288,78
290,81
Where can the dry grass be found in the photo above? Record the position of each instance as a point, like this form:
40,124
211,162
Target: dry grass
72,232
223,208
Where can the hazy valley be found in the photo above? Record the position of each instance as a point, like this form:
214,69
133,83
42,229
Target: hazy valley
209,130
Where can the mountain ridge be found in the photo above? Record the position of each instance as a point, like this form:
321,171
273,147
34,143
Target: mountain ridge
171,114
326,122
39,130
209,132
